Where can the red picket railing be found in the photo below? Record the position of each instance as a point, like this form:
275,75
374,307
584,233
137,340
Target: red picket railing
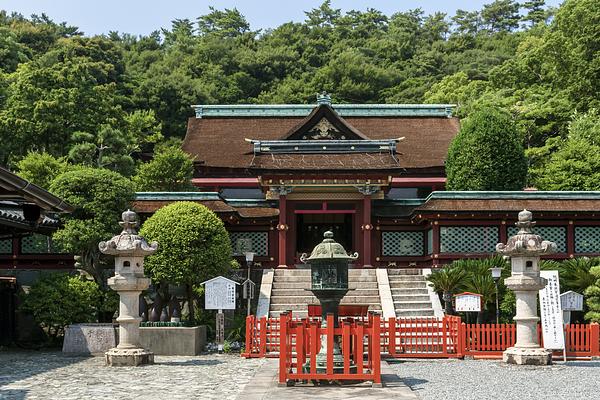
428,337
422,337
301,342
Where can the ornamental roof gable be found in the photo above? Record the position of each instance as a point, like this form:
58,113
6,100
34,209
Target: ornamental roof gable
324,123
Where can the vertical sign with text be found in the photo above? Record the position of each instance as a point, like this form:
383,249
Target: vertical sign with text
551,312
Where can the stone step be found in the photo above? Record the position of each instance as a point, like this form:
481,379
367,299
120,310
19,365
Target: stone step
309,299
402,285
302,292
408,291
306,272
286,278
413,305
421,312
304,307
406,278
403,271
291,285
410,297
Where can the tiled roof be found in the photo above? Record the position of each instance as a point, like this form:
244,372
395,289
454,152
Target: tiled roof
220,142
15,216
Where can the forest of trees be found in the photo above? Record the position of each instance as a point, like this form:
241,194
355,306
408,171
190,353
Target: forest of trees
101,101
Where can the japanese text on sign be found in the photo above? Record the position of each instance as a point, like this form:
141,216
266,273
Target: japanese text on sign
468,302
219,294
551,312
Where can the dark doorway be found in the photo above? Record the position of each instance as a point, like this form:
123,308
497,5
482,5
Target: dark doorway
7,311
311,227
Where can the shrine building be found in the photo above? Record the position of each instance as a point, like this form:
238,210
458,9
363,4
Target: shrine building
281,175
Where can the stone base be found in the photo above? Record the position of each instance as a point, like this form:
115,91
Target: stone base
89,338
128,357
527,356
174,341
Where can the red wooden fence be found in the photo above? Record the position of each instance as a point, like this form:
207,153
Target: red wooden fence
429,337
301,342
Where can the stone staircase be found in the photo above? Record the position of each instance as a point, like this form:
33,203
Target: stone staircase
289,291
409,293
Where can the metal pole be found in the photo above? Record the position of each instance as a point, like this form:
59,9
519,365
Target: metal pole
248,293
497,306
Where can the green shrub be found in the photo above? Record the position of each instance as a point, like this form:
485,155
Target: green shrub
593,297
487,154
58,300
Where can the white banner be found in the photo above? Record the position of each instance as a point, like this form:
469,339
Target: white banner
552,318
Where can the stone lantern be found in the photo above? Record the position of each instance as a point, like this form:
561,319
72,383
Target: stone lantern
129,281
524,250
329,283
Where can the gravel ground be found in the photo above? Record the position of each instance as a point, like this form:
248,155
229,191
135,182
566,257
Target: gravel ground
484,379
52,375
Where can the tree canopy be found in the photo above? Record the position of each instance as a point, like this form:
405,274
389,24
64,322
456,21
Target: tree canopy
540,64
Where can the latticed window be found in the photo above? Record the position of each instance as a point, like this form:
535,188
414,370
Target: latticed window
430,241
587,239
468,239
402,243
6,246
37,244
256,242
556,234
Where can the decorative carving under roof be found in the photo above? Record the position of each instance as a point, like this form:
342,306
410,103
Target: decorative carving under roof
526,243
324,130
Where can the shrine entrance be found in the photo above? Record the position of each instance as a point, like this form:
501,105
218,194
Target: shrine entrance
315,218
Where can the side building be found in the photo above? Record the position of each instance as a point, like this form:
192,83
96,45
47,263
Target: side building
280,175
27,219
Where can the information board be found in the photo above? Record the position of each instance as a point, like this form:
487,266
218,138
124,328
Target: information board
219,294
552,317
571,301
466,302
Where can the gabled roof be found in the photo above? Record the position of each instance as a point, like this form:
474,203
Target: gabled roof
216,137
323,123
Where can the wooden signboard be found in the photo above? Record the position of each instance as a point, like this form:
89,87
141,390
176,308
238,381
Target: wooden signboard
571,301
467,302
219,294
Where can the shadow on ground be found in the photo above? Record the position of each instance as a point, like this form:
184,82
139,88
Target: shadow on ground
189,362
18,365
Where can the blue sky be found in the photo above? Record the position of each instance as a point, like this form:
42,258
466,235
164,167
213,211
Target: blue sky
142,17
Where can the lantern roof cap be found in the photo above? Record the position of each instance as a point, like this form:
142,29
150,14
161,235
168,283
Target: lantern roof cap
526,243
128,243
329,249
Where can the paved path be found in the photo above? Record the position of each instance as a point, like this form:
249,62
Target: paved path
264,386
52,375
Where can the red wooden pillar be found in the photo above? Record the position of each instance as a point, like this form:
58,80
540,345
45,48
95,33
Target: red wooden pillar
367,228
282,226
571,239
436,242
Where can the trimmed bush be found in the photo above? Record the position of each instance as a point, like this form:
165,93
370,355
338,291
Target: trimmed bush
58,300
486,154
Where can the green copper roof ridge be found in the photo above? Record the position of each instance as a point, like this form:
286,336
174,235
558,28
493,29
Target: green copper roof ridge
522,194
178,196
299,110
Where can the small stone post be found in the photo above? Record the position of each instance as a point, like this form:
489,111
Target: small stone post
524,250
129,281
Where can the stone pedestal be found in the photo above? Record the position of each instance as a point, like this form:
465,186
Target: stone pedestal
117,357
524,356
89,338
